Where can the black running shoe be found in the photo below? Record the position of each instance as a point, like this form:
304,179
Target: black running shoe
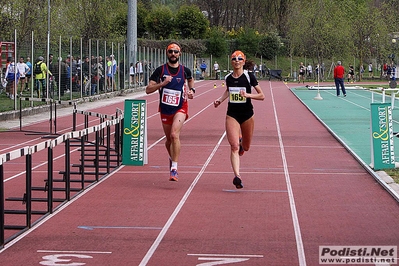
237,182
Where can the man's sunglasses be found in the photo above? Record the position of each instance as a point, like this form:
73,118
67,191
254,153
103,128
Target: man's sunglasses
173,51
237,59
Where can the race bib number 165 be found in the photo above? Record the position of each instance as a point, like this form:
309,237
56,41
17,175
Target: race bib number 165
171,97
235,96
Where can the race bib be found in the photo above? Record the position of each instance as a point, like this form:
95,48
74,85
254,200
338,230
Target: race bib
235,96
171,97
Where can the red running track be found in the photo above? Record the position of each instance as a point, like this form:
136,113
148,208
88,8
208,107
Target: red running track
302,190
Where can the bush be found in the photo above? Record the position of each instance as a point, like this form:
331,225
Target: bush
269,46
217,45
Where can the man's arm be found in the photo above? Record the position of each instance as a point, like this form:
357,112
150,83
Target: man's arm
190,83
154,86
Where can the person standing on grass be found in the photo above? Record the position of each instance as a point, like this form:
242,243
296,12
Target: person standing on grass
351,74
240,114
29,73
170,81
370,70
132,74
302,70
23,69
11,76
339,75
40,71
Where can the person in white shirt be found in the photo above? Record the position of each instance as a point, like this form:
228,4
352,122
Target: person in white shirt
370,70
310,70
216,69
23,69
11,75
139,72
131,73
112,67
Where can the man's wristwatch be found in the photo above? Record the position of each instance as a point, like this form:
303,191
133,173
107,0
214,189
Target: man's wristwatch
192,89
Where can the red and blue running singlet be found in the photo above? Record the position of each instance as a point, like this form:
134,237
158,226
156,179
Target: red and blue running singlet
173,94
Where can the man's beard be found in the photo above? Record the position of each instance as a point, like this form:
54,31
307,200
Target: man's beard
174,60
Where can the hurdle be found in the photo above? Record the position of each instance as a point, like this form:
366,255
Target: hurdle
87,114
393,91
39,200
52,120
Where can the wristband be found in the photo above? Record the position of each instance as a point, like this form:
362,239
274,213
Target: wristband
192,89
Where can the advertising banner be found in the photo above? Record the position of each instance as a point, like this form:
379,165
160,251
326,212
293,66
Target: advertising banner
134,150
382,146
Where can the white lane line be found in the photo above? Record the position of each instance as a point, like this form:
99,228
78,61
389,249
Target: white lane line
227,255
62,207
90,187
254,190
297,229
165,229
73,251
306,174
91,227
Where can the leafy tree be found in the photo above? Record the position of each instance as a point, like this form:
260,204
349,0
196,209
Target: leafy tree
142,13
269,46
21,15
248,41
369,37
191,22
160,22
318,29
88,19
217,44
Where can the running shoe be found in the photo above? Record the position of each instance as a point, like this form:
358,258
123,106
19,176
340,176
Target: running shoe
173,175
241,150
237,182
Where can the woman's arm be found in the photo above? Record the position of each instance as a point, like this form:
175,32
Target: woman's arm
224,96
256,96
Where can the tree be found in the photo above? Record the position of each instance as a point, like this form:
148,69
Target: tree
191,22
142,13
269,46
160,22
318,30
217,44
369,37
248,40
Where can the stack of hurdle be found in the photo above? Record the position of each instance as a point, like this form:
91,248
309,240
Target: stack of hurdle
41,195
